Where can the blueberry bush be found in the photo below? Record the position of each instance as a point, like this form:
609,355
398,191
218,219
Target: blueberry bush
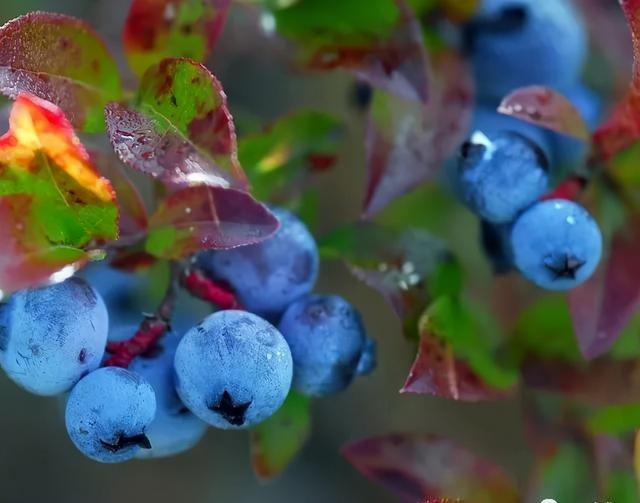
159,258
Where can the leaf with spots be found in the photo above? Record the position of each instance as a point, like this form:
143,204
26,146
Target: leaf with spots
427,467
158,29
276,441
622,128
27,257
407,267
457,356
406,144
295,144
41,156
205,218
179,130
546,108
62,60
381,44
603,306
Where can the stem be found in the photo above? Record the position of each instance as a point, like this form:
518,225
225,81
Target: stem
151,329
209,290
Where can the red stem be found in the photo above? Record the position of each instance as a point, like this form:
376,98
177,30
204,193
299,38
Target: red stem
209,290
150,331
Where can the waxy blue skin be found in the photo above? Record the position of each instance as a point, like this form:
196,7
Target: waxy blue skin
174,429
50,337
110,407
501,177
268,276
327,338
233,370
553,234
515,43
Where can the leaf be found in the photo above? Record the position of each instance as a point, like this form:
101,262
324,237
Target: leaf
158,29
27,258
60,59
180,130
276,156
636,457
615,419
427,467
381,44
205,218
546,108
40,155
133,214
614,464
455,358
623,126
604,305
407,267
407,144
276,441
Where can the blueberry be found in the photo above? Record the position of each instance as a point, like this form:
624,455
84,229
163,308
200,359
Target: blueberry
108,413
327,338
515,43
52,336
268,276
233,370
496,242
556,244
175,429
367,362
501,177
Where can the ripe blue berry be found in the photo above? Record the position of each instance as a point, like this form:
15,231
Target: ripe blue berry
50,337
270,275
327,338
108,413
233,370
501,177
514,43
368,361
174,429
556,244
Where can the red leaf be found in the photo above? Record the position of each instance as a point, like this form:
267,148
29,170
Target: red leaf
133,214
156,29
62,60
26,257
546,108
406,144
602,307
427,467
623,126
204,217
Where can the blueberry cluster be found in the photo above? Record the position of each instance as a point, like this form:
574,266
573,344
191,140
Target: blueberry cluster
231,370
506,165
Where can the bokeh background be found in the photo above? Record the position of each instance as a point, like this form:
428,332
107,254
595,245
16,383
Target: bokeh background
39,464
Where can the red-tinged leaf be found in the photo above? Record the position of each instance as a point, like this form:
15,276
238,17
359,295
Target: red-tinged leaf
133,214
27,258
570,188
427,467
455,358
601,382
602,307
623,126
381,44
204,218
546,108
407,144
41,156
276,441
180,130
158,29
60,59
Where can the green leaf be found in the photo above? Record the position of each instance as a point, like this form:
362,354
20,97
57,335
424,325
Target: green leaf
278,155
615,419
276,441
61,59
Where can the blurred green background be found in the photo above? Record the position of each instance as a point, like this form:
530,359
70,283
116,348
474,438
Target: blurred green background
39,464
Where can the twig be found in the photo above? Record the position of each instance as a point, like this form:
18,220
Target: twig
201,286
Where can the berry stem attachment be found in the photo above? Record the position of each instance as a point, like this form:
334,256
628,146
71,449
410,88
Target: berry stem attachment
209,290
152,328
